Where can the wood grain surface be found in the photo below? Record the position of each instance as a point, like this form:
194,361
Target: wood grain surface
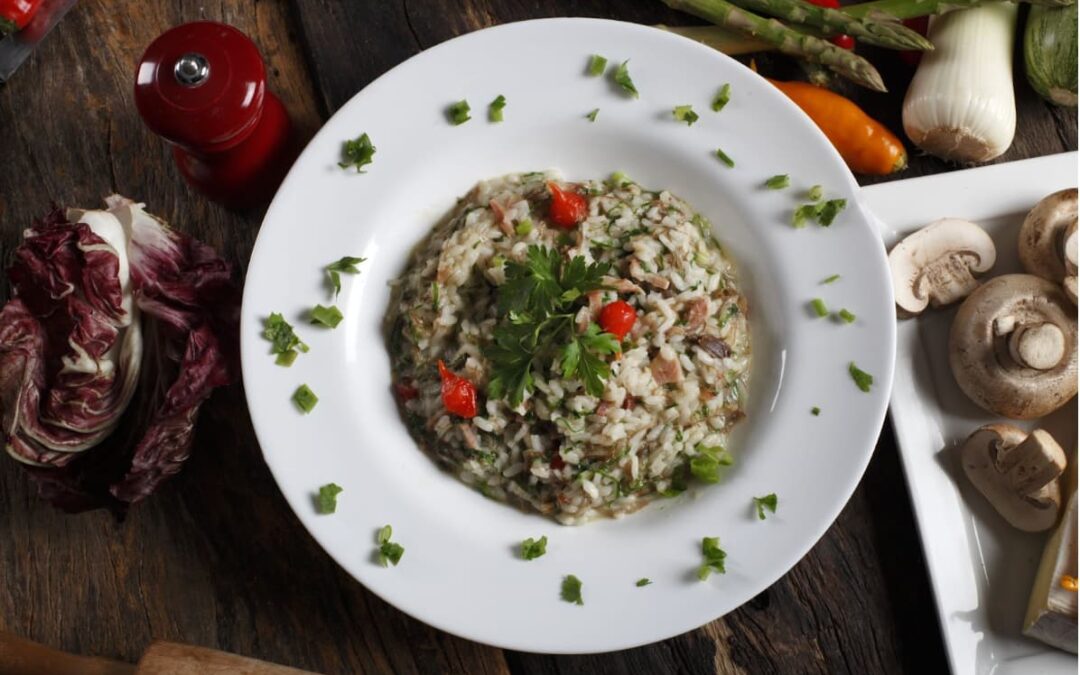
217,559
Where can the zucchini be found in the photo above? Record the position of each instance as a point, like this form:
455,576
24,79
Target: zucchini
1050,52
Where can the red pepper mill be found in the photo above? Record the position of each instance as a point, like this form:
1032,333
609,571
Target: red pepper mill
202,87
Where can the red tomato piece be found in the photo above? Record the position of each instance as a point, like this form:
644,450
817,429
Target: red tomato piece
557,461
617,318
843,41
568,208
458,394
15,14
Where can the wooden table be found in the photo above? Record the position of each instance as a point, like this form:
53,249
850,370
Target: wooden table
217,558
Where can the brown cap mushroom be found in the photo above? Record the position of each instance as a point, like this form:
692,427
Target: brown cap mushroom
1017,473
936,265
1047,243
1012,347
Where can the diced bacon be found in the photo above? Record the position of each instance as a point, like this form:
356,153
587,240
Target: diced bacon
697,311
666,370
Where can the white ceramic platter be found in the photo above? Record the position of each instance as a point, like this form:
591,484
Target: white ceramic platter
459,572
981,568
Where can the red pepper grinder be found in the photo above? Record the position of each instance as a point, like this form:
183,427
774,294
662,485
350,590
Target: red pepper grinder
202,87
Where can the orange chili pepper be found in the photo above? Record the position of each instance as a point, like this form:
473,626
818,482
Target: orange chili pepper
1068,582
864,143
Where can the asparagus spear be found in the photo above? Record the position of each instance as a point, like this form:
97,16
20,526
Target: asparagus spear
910,9
720,39
889,34
788,40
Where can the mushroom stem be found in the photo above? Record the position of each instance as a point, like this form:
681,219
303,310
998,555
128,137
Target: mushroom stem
1032,464
1040,347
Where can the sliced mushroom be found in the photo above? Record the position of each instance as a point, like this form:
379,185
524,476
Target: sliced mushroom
1017,473
1012,347
936,265
1047,243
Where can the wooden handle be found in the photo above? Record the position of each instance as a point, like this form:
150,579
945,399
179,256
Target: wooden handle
167,658
19,656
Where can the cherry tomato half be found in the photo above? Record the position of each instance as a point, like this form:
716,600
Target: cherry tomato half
568,208
458,394
617,318
15,14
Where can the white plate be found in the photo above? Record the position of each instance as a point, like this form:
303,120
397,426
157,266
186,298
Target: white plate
459,572
981,568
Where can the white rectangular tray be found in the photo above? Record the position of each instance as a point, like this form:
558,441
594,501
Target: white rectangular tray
981,568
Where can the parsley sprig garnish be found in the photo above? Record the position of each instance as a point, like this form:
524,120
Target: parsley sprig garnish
538,303
348,265
358,152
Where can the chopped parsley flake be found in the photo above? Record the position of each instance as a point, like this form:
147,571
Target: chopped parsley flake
458,113
863,380
524,227
346,265
830,210
305,399
283,340
818,305
706,464
846,316
831,279
327,316
533,548
622,78
815,411
597,64
592,114
326,502
571,590
619,179
713,558
814,194
685,113
358,152
644,581
723,156
766,503
495,109
389,552
802,214
778,182
722,97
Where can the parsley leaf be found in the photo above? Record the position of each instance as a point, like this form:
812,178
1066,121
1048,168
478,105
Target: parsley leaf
597,64
830,210
495,109
347,265
685,113
768,502
389,552
815,411
358,152
831,279
458,113
863,380
571,590
327,316
643,581
283,340
580,357
722,97
305,399
326,502
706,464
713,557
592,114
533,548
622,78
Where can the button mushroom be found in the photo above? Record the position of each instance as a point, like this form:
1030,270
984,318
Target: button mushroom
1047,243
936,265
1012,347
1017,473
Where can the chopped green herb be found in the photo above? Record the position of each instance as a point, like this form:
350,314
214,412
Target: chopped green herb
619,179
644,581
283,340
458,113
327,499
846,316
829,211
815,411
592,114
863,380
724,158
830,279
571,590
706,464
389,552
434,296
722,97
732,310
495,109
814,194
818,305
597,64
533,548
346,265
778,182
802,214
384,534
622,78
305,399
524,227
685,113
358,152
768,502
713,558
328,316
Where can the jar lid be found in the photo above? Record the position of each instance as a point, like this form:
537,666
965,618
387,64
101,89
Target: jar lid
201,85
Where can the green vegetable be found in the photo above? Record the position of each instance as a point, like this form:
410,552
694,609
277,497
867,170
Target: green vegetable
815,411
778,182
305,399
597,64
802,214
533,548
327,316
571,590
346,265
619,179
829,210
358,152
706,464
283,340
863,380
1050,53
685,113
580,357
768,502
326,502
713,558
592,114
389,552
644,581
524,227
846,316
722,97
622,78
724,158
819,307
495,109
458,113
724,40
830,279
910,9
434,296
815,193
